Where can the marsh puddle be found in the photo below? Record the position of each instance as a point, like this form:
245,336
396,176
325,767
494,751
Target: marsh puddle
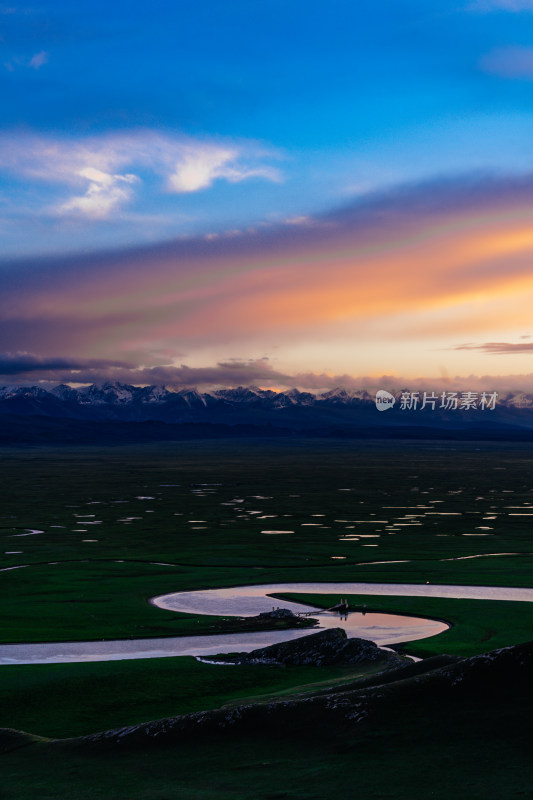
276,533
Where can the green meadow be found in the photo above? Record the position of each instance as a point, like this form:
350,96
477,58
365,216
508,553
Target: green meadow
89,535
63,700
468,755
121,525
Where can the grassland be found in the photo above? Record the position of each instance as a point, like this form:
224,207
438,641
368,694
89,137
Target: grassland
432,749
61,700
119,525
476,625
191,515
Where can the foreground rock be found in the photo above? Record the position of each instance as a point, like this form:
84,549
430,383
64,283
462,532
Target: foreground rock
319,649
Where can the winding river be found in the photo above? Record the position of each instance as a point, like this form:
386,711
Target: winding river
245,601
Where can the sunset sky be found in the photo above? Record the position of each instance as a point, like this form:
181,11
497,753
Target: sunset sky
310,194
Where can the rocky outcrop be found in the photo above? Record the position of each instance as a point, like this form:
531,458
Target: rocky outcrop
278,613
318,649
278,619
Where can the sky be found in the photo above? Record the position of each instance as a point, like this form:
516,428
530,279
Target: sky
282,194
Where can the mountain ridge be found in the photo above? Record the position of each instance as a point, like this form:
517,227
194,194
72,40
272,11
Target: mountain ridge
330,413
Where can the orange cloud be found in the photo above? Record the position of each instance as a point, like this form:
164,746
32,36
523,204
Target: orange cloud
440,262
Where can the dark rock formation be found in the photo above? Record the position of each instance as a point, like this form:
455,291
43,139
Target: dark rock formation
279,619
278,613
322,648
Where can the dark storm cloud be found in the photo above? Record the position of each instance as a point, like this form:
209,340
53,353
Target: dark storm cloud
21,364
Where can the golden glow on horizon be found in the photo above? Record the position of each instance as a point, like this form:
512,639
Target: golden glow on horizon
398,295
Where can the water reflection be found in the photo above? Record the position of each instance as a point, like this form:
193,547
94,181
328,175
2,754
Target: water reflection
251,600
379,628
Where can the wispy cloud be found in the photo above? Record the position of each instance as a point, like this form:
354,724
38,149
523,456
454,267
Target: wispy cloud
509,62
198,167
513,6
25,368
232,372
111,164
104,194
498,348
39,59
35,62
443,262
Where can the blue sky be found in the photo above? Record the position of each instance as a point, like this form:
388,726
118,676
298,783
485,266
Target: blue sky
296,106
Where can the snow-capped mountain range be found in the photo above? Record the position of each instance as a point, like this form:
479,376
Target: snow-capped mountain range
293,409
123,401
